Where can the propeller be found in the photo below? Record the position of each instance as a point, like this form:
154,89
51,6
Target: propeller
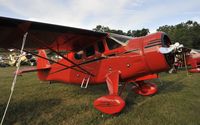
165,50
180,54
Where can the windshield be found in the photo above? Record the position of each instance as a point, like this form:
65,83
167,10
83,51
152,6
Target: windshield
120,38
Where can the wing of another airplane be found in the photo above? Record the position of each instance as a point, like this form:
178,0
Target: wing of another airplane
42,35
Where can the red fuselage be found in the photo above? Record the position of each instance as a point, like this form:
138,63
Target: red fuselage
135,58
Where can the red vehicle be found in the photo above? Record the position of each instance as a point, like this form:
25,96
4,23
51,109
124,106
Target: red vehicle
92,57
193,60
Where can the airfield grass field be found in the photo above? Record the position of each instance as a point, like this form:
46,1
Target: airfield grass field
41,103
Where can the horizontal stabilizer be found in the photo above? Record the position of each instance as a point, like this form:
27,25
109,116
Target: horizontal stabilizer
30,69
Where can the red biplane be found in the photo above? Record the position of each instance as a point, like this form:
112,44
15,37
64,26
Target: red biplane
92,57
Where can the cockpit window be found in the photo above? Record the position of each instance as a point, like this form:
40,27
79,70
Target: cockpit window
89,51
78,55
112,44
100,46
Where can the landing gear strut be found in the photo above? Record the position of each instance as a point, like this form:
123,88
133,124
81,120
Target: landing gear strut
111,103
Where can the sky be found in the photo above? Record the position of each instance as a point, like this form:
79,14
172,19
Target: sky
116,14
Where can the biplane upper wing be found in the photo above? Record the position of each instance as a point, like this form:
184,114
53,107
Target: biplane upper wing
42,35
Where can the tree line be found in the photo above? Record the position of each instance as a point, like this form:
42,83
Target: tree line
187,33
133,33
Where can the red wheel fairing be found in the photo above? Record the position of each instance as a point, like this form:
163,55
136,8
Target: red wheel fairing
145,89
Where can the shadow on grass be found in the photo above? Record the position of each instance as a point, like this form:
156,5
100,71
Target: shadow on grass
94,89
25,111
170,87
132,100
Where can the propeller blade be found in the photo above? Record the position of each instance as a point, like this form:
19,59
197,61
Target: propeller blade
165,50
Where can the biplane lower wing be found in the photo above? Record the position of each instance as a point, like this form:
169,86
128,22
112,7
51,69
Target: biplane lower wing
30,69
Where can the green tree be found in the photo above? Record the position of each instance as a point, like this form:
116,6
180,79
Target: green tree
138,33
100,28
133,33
185,33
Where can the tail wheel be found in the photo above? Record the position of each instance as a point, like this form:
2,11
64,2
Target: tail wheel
145,89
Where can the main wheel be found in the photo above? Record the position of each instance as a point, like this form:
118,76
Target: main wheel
145,89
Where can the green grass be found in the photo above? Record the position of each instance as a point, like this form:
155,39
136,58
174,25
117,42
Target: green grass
40,103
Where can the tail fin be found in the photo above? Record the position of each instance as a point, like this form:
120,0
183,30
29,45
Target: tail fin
43,65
